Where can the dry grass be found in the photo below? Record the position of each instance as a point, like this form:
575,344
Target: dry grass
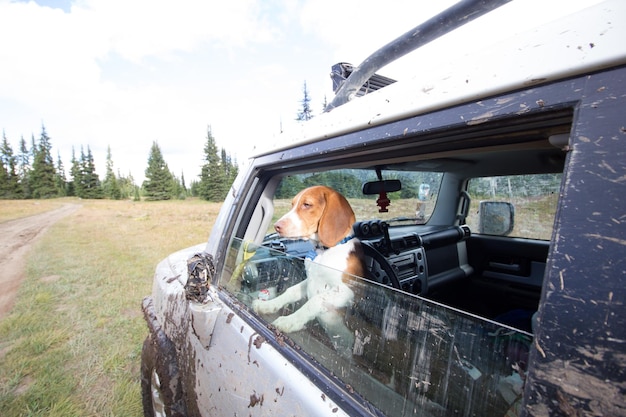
13,209
72,343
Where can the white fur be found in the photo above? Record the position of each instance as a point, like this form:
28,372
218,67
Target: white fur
324,290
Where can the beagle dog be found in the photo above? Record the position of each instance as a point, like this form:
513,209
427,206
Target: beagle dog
324,216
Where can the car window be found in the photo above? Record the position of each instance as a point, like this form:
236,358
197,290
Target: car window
403,353
533,198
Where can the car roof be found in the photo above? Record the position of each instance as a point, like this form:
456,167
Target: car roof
581,43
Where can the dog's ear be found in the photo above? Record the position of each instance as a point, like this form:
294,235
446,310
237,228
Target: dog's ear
337,219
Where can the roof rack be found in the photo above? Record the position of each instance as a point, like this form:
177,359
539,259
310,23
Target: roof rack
363,77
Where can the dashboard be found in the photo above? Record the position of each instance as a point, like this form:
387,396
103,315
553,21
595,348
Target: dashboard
413,258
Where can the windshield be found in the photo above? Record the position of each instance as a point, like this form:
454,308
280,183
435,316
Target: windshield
414,202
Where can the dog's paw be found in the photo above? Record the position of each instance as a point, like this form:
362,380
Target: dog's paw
257,306
287,324
263,307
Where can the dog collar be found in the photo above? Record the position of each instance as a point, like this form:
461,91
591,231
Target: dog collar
345,240
312,254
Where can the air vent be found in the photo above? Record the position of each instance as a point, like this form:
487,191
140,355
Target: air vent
412,241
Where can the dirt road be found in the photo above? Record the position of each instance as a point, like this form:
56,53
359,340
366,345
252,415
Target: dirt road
16,238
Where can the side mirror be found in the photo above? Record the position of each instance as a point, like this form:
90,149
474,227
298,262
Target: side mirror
383,186
496,218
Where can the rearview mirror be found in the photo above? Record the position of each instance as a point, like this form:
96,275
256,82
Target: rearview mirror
377,187
496,218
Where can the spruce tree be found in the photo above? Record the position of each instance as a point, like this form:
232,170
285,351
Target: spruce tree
91,187
194,188
76,185
4,175
110,185
159,183
9,184
182,182
182,192
24,169
60,179
305,113
42,177
230,169
177,187
212,177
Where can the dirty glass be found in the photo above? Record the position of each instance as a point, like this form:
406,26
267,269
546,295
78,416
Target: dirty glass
406,355
534,198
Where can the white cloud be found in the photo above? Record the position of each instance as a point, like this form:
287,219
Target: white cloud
126,73
141,28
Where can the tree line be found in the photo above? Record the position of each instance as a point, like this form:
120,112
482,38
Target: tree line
32,173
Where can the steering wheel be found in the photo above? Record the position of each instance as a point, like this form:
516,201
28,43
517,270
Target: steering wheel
381,270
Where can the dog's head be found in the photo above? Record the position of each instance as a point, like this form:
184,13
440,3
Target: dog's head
319,213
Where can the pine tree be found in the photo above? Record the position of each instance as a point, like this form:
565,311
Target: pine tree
126,184
230,169
136,196
159,183
76,185
24,169
305,112
194,188
212,177
9,184
60,179
42,177
91,187
110,185
324,104
182,182
5,151
177,188
181,188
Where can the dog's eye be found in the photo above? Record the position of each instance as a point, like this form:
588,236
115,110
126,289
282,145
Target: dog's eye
306,205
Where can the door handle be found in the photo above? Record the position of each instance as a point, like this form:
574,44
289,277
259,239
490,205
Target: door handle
506,267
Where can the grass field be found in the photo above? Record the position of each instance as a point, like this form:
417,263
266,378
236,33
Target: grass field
71,345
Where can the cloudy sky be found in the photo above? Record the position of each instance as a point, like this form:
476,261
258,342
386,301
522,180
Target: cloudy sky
125,73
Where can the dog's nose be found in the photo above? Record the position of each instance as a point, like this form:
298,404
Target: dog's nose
277,227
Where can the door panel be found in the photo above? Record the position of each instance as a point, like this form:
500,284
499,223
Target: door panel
508,273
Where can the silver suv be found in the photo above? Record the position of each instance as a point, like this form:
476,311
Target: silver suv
489,202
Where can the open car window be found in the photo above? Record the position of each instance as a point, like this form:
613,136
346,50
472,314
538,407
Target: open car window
405,354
